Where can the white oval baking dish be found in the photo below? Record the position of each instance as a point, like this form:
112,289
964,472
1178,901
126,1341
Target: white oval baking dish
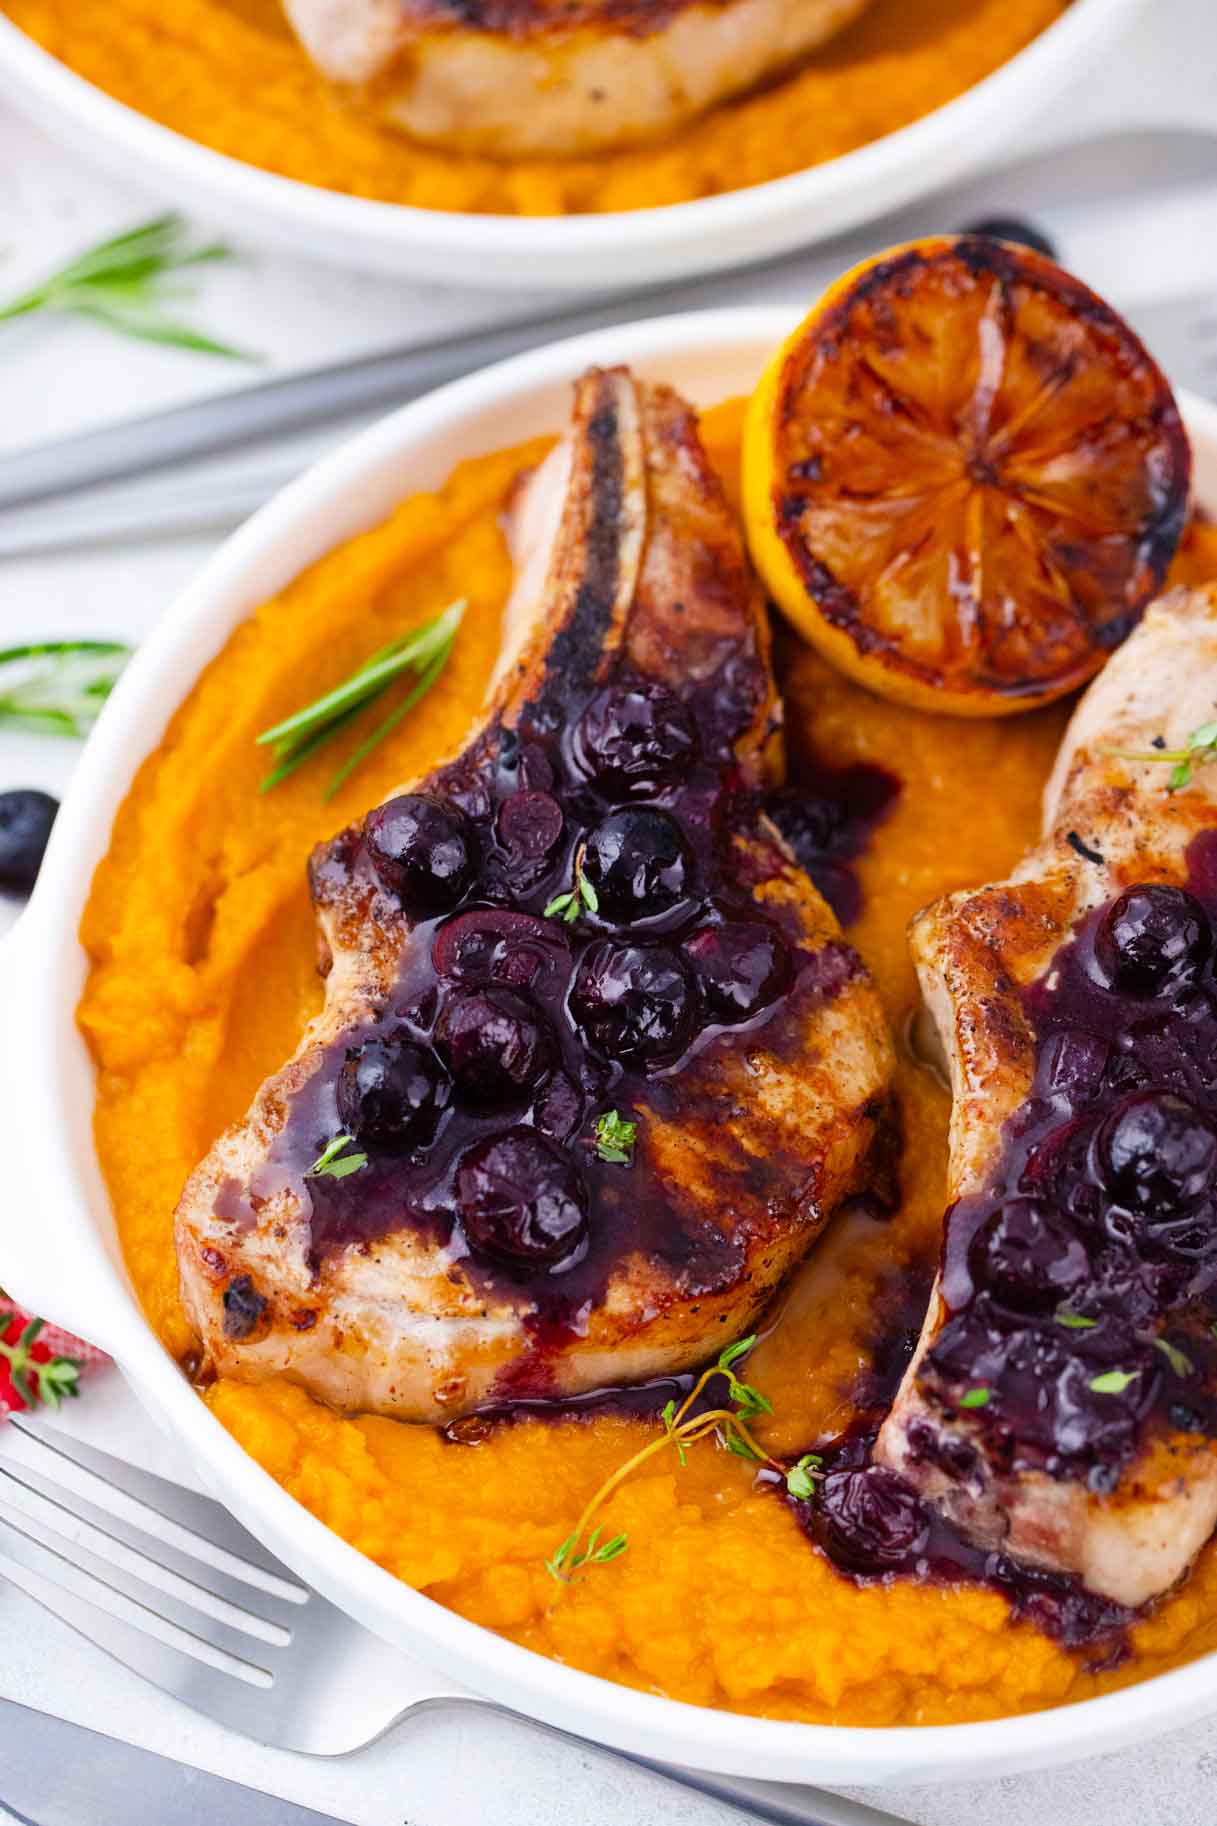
59,1252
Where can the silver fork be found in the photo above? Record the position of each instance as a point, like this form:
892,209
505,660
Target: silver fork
166,1582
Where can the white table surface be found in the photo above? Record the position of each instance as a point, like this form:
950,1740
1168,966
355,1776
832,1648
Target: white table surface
461,1768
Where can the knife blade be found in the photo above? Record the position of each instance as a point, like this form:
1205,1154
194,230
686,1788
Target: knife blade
53,1773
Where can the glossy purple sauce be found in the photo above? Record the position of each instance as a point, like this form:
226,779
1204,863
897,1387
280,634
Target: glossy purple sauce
1092,1258
1093,1251
828,816
511,1032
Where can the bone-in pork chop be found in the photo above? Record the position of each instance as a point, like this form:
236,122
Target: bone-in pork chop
603,1059
521,77
1060,1405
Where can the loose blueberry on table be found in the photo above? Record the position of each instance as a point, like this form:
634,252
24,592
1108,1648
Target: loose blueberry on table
26,817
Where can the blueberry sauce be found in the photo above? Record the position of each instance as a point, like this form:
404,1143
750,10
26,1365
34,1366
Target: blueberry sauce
583,937
872,1525
1081,1285
827,816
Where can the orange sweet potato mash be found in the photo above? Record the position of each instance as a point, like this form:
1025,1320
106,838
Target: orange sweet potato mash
203,971
229,74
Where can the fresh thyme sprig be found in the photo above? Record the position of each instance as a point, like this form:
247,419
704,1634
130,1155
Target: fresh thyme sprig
334,1162
615,1138
1200,748
122,283
681,1429
424,651
58,687
566,1562
582,897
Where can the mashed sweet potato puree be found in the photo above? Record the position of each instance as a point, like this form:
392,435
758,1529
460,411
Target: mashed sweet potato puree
229,74
201,941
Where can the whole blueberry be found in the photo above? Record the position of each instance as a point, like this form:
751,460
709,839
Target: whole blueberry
638,862
869,1520
423,850
742,965
529,825
391,1094
1029,1256
26,817
521,1200
634,740
635,1003
1152,938
494,1041
1016,229
1157,1153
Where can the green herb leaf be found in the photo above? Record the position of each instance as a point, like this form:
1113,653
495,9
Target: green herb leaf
1179,1361
569,905
734,1352
121,283
556,1567
425,651
566,1562
615,1138
1113,1382
802,1476
1074,1321
334,1162
668,1416
739,1447
1199,748
57,687
975,1398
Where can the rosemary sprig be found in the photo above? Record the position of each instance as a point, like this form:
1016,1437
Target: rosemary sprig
681,1429
121,282
58,687
424,651
334,1162
1200,747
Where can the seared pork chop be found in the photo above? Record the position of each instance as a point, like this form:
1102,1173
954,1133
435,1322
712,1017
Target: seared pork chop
1060,1404
511,78
604,1062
